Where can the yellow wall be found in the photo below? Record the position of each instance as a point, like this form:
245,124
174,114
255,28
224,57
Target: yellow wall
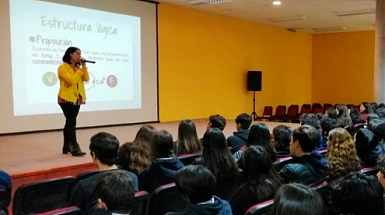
203,60
343,67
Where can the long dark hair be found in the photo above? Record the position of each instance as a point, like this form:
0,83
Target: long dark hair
162,145
332,112
368,107
344,116
294,199
188,141
377,126
67,55
259,135
217,157
366,142
260,173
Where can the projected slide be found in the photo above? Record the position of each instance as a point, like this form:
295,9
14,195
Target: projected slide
40,34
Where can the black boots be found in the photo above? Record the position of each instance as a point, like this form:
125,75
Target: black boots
67,148
73,148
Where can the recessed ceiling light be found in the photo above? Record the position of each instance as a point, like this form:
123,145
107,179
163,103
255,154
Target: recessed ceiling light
276,2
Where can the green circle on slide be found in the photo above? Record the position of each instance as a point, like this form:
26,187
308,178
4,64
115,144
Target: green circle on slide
49,79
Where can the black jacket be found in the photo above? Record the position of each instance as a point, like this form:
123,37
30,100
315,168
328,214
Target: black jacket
238,140
244,198
218,207
307,169
161,171
82,194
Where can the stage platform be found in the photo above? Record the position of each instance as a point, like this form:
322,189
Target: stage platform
36,156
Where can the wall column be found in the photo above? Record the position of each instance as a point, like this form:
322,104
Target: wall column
379,67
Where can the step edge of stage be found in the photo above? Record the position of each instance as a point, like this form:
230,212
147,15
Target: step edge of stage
51,170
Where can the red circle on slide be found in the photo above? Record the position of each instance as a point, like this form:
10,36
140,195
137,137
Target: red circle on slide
112,81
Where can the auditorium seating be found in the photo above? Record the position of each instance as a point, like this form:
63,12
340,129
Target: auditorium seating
280,113
279,163
85,175
188,159
5,197
64,211
267,113
292,113
164,199
42,196
263,208
369,171
142,202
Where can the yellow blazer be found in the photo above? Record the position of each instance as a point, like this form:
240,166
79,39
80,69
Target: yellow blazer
72,82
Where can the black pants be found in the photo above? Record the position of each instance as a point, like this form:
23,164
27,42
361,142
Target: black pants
70,112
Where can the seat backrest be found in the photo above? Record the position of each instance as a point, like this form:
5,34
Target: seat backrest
85,175
164,199
316,106
369,171
351,106
42,196
268,111
327,105
323,152
142,202
320,188
64,211
188,159
280,111
318,110
263,208
5,197
278,164
292,111
305,108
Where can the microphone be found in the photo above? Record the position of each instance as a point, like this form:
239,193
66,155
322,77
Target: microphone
87,61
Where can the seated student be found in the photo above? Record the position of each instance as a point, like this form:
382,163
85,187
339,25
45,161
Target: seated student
356,194
357,120
370,117
215,121
135,156
331,112
381,113
104,153
164,164
115,193
197,184
298,199
188,141
328,124
216,156
262,181
307,167
366,146
342,154
312,120
365,109
239,138
281,140
259,136
381,170
5,184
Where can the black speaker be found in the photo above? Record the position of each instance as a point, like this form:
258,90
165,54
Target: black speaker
254,81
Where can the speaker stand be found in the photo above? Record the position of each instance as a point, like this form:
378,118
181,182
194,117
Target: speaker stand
254,115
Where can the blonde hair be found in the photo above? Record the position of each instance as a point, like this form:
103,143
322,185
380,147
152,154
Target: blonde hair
342,154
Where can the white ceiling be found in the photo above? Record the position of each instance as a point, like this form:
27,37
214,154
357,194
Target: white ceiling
315,16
